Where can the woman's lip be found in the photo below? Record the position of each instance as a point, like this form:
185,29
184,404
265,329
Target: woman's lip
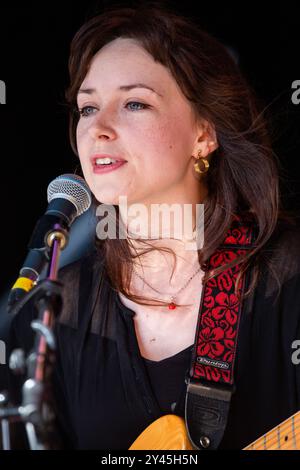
103,155
99,169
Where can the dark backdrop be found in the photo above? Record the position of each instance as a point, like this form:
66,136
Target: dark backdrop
34,147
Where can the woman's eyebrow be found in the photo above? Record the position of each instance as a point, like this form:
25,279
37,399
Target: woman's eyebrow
89,91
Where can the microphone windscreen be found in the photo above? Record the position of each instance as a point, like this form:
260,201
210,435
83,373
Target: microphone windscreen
73,188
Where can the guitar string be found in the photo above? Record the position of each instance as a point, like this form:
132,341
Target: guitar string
282,432
283,426
286,445
259,443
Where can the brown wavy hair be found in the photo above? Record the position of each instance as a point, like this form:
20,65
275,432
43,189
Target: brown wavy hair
243,174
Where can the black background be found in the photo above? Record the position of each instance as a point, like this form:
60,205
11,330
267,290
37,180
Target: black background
34,146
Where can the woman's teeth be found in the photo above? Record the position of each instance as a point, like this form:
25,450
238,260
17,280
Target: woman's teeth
105,161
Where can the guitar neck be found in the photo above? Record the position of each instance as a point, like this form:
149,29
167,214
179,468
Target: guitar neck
286,436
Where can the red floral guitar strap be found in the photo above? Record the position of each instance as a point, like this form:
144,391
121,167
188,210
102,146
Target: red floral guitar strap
210,382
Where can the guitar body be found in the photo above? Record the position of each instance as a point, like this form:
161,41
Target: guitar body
166,433
169,433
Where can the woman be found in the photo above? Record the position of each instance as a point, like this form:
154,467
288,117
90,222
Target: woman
163,99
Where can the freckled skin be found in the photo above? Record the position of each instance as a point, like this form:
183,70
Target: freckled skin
159,144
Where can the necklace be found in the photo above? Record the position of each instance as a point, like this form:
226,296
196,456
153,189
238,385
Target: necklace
172,304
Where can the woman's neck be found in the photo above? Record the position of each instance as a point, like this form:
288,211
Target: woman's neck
180,233
160,266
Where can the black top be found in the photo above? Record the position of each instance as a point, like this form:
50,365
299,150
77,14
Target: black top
165,378
107,394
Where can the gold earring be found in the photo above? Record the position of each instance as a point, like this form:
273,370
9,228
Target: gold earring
204,161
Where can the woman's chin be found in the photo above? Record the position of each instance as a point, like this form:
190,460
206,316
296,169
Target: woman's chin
109,199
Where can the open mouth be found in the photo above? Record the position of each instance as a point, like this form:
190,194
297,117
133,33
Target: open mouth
101,165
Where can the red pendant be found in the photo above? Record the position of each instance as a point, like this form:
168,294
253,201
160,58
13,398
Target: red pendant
172,306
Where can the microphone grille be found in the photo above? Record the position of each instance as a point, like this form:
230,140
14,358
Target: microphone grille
73,188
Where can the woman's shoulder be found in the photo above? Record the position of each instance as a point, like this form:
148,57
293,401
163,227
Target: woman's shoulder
79,281
280,262
89,259
284,247
71,276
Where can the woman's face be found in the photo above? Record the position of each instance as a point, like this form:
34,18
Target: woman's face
154,131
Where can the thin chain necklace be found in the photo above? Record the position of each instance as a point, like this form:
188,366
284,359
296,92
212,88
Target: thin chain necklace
172,304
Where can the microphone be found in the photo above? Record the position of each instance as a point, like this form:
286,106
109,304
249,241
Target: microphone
68,197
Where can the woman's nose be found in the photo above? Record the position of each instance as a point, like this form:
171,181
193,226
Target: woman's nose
102,127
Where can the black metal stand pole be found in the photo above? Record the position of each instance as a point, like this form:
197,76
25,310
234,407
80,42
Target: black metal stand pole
36,409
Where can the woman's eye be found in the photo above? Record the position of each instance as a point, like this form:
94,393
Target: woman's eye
85,111
144,106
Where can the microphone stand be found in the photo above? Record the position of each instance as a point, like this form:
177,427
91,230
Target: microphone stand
36,410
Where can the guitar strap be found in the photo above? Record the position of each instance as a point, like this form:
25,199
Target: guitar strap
210,380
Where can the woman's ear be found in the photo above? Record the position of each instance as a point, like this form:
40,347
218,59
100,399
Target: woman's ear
206,139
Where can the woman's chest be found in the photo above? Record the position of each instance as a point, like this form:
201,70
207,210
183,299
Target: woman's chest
162,332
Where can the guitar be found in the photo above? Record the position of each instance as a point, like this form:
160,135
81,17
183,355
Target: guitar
169,433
